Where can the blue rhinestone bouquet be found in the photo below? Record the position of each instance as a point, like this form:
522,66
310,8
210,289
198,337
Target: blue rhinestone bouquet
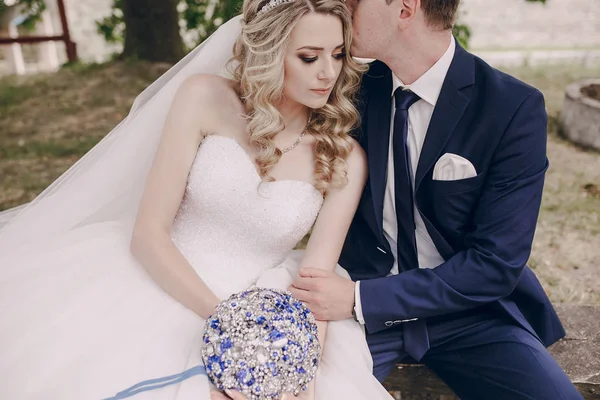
261,342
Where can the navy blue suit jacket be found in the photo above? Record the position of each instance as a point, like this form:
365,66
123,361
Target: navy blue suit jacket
483,226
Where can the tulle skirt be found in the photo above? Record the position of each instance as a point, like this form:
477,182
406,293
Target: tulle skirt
80,319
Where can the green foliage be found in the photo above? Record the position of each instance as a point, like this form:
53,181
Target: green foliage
113,26
462,33
200,19
33,9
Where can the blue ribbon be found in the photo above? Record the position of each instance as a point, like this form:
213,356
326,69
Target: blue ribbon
158,383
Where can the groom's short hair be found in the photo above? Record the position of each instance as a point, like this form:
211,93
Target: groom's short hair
440,14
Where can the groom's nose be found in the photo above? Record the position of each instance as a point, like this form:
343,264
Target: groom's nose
351,4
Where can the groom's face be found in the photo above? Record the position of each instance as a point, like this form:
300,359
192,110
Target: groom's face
373,25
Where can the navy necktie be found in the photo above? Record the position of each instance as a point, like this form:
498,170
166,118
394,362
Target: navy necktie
416,339
407,248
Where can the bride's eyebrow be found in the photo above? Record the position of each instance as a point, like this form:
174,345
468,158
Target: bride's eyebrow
318,48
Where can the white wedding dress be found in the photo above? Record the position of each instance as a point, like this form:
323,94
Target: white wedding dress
80,319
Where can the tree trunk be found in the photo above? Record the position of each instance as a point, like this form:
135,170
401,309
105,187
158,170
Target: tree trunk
152,30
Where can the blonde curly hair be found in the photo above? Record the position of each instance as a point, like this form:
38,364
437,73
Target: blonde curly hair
258,79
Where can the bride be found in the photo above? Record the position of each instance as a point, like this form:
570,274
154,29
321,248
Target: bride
107,277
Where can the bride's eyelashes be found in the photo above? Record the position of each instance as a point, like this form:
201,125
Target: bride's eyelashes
309,60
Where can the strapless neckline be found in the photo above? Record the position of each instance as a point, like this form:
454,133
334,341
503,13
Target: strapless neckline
236,144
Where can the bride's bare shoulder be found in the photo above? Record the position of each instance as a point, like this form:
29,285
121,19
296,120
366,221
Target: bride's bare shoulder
203,87
211,99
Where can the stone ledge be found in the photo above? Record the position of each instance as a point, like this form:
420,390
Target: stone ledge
587,58
578,354
580,116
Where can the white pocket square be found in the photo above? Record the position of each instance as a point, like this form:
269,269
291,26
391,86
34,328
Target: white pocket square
452,167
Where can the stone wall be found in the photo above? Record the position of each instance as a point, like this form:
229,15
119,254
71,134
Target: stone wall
495,24
503,31
516,33
517,24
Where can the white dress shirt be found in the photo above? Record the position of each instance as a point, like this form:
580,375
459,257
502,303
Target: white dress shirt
428,88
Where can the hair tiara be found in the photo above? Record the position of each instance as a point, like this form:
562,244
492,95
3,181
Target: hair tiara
272,4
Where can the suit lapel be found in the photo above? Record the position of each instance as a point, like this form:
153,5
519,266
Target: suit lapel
378,135
449,109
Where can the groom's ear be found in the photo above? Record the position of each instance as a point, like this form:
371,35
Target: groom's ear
408,10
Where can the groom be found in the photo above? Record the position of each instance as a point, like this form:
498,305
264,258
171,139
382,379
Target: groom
437,249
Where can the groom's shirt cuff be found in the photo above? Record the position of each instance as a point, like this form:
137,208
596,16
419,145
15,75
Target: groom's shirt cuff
357,304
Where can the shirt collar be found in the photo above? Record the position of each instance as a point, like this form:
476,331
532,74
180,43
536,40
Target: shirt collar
429,85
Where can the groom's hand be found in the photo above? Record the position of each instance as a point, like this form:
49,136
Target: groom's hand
329,296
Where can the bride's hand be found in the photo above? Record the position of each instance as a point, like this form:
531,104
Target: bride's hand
234,395
231,394
289,396
218,396
303,395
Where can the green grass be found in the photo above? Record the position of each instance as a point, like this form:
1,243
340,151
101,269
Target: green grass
48,121
53,148
12,94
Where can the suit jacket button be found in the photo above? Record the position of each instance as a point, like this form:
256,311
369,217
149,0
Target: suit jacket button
389,323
